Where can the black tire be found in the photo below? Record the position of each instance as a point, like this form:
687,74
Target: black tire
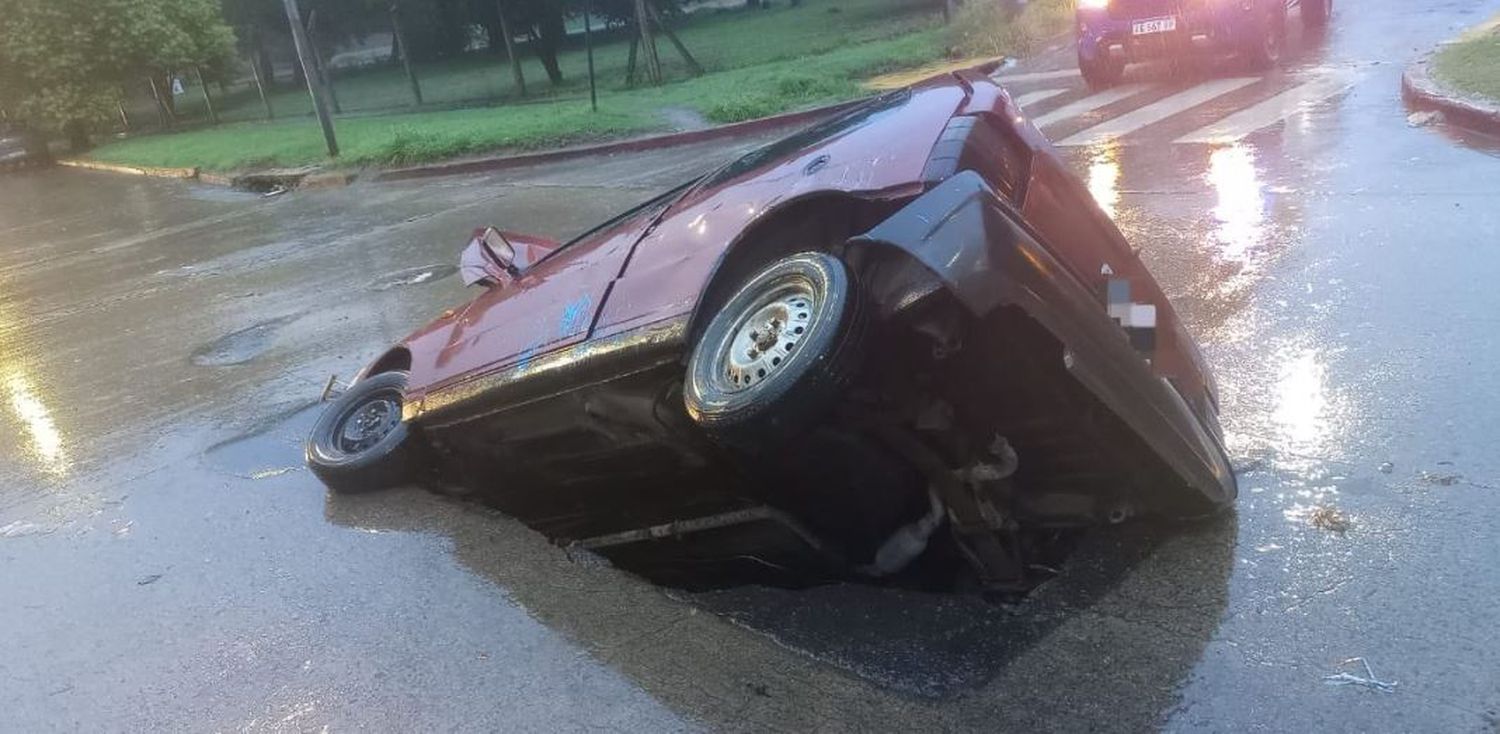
752,385
384,456
1265,52
1101,73
1315,13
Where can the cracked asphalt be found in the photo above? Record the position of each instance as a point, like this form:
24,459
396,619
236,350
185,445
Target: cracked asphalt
166,562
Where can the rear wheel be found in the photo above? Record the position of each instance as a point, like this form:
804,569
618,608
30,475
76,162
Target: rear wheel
360,443
1102,72
1315,13
779,353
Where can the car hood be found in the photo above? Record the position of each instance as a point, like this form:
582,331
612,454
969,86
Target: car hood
880,144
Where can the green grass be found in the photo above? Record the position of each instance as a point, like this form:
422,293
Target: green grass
759,62
1472,65
390,140
721,41
986,29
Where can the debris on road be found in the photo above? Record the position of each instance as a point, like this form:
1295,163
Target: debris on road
148,579
1442,480
1368,680
1329,518
269,473
1424,118
1387,467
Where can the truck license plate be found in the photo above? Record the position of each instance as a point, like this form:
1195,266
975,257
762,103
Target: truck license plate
1154,25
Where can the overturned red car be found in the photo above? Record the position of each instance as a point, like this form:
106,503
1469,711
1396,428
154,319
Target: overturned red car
902,344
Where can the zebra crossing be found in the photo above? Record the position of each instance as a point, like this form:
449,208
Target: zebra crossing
1214,111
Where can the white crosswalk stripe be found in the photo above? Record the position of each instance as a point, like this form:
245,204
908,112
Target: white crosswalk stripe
1313,87
1041,95
1270,111
1157,111
1089,104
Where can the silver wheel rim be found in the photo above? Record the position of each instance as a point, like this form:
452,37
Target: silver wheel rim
762,342
367,423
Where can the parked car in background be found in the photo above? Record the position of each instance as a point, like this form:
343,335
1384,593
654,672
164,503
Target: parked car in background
1113,33
20,147
902,343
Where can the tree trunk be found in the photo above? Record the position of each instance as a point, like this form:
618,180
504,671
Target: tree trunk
77,134
163,101
648,43
321,67
635,42
693,67
398,38
551,36
208,100
260,85
510,49
495,38
168,98
262,61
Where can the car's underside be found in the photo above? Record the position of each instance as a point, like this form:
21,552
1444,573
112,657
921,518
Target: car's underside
989,420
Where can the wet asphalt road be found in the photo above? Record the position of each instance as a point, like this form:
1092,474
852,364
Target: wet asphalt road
166,563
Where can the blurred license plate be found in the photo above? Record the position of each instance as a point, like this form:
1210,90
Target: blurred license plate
1154,25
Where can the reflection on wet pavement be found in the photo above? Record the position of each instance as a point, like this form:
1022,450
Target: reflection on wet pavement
1240,213
27,415
32,416
1103,179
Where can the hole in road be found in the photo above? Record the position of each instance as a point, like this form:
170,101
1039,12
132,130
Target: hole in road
243,345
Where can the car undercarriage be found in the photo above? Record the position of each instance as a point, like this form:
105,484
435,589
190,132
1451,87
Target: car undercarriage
966,453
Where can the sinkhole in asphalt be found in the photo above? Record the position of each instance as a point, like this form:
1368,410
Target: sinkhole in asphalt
933,645
243,345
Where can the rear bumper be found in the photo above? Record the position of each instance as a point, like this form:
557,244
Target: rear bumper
1218,28
979,251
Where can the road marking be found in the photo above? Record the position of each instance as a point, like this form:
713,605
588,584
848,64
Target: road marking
1036,76
1090,103
1157,111
1031,98
1270,111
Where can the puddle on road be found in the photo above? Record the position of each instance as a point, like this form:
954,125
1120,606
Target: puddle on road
413,276
243,345
272,449
220,194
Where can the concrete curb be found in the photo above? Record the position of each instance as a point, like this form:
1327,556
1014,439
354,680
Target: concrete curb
1423,92
188,173
632,145
268,180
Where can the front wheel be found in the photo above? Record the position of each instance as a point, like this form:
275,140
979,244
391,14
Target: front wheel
1264,52
1101,73
779,353
360,443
